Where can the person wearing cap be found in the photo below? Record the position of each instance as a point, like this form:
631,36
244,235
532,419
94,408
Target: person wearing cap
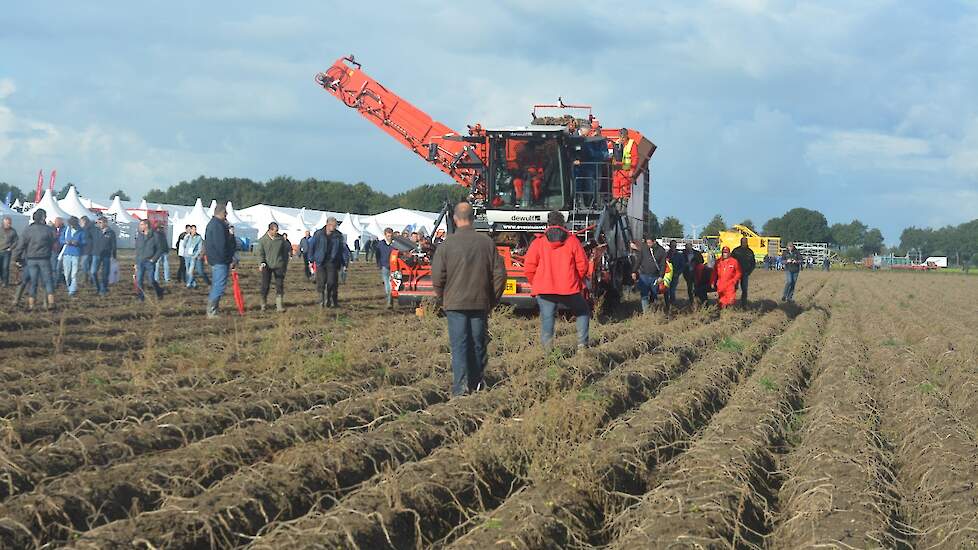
556,267
328,251
726,275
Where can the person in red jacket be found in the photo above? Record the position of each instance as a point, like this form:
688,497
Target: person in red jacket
726,275
556,267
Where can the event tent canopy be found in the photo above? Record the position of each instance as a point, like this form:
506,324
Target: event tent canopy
73,206
121,215
51,208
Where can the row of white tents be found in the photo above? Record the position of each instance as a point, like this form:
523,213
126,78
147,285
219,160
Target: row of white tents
249,223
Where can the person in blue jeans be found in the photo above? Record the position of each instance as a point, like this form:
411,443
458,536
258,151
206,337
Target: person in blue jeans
220,248
648,268
383,249
74,239
556,267
792,265
469,277
103,251
147,253
33,253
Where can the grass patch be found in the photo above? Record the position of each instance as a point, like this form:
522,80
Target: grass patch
927,387
890,342
767,383
493,523
329,365
731,344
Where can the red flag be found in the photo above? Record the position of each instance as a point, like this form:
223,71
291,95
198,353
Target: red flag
40,186
238,297
54,174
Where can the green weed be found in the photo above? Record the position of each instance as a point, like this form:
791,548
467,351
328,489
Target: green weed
767,383
731,344
927,387
890,342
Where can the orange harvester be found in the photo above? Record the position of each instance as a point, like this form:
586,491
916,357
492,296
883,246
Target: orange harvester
515,176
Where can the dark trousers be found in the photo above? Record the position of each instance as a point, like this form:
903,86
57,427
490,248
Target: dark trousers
743,286
305,267
690,284
100,273
267,275
146,269
5,267
328,282
468,334
182,270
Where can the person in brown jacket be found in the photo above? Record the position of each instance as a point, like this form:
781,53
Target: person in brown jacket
469,277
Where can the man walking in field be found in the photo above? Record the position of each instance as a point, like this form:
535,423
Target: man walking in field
556,267
327,249
792,265
33,254
8,243
104,250
148,251
220,248
745,257
191,247
273,259
384,248
468,276
648,269
726,275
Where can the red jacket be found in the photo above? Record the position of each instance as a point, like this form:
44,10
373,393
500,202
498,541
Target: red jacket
726,274
556,263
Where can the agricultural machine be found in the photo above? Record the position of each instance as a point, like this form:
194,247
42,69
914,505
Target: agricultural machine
563,160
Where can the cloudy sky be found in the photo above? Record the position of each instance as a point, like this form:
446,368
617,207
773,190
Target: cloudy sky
757,106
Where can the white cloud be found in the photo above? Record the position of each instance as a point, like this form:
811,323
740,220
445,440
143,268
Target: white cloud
7,88
835,151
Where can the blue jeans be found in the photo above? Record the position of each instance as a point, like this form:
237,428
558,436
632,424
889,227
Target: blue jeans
5,267
56,273
189,266
219,276
100,273
39,271
385,274
743,286
648,289
790,278
163,264
468,333
71,264
85,267
199,268
145,269
676,277
548,313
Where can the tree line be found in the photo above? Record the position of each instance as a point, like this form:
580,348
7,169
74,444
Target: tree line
853,240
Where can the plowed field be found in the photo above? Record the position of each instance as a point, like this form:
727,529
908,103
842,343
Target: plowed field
844,420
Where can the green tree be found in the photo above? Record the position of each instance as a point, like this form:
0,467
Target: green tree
872,241
15,192
749,224
123,196
848,234
672,228
63,192
799,225
431,197
715,226
652,227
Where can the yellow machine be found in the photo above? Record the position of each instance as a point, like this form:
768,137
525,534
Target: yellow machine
762,246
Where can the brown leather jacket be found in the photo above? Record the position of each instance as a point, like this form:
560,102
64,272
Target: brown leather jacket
467,272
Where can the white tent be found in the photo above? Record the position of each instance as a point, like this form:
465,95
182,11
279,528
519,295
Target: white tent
90,204
401,218
322,220
50,207
212,207
352,229
121,216
197,216
233,217
17,205
73,206
243,229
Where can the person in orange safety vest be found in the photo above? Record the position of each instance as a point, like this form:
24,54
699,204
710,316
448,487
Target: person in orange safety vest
726,275
624,174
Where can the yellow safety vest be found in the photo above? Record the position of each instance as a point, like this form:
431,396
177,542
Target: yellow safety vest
626,155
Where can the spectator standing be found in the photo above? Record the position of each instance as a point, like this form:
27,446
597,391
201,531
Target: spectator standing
288,244
792,265
220,247
356,249
56,273
85,260
72,243
745,257
368,249
826,264
693,257
147,255
384,248
33,252
327,248
163,263
304,252
647,270
556,267
468,276
104,251
191,248
273,258
677,259
182,264
8,243
726,275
